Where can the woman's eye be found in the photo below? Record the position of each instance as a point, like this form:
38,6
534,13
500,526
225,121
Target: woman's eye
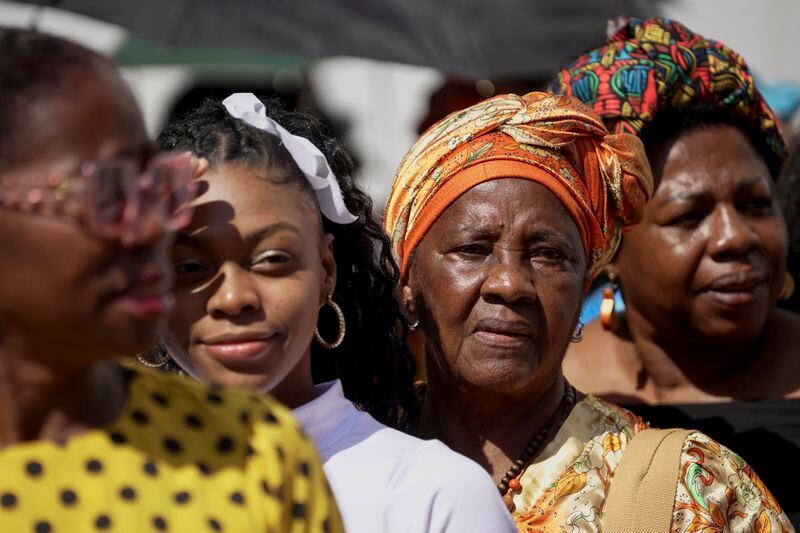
272,259
471,250
758,206
188,266
687,220
549,254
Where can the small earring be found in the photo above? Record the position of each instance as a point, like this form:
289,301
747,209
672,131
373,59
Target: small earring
577,336
342,326
414,326
157,357
612,314
788,287
607,308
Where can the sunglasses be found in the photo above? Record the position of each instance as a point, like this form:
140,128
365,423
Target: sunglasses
111,199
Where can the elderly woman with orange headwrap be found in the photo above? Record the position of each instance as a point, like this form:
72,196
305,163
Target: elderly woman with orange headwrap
500,217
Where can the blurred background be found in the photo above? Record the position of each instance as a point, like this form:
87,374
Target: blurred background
380,71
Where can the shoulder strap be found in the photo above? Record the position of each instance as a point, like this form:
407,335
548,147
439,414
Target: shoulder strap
642,492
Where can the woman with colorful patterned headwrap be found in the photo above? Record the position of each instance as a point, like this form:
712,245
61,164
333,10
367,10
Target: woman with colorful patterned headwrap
500,217
702,273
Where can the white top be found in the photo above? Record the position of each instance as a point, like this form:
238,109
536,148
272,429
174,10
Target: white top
388,482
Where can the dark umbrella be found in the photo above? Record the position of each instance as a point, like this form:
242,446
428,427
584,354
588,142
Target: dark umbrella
473,39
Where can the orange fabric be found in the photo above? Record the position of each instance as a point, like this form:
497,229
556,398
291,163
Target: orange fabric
486,171
603,180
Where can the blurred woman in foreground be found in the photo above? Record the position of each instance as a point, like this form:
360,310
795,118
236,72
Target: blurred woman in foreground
86,212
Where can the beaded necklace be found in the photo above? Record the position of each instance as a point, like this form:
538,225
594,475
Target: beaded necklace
510,483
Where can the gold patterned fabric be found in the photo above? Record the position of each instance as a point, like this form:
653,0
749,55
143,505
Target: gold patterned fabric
565,488
603,180
180,457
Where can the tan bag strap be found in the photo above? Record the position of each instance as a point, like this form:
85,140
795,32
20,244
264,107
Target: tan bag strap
642,492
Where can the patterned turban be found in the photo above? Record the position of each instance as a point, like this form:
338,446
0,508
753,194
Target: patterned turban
657,64
603,180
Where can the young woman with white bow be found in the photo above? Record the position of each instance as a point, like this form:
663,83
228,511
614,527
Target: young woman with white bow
284,250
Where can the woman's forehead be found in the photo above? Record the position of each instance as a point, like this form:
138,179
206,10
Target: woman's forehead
236,195
509,204
691,167
97,125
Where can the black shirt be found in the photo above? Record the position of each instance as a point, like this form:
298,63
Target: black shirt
765,433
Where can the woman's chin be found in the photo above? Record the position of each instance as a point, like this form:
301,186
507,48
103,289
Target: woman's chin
501,376
212,371
257,382
732,328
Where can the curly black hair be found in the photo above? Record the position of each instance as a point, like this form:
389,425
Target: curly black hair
374,362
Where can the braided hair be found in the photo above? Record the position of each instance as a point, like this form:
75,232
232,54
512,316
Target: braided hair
373,362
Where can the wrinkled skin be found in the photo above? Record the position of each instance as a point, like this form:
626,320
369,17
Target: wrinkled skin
497,285
251,272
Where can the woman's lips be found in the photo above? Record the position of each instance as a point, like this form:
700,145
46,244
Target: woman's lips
145,295
737,288
494,338
502,333
143,306
239,349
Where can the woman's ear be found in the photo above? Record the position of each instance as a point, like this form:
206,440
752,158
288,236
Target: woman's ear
200,164
328,260
610,272
408,303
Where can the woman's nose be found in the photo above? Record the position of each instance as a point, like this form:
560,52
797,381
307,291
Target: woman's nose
235,294
150,230
730,234
509,279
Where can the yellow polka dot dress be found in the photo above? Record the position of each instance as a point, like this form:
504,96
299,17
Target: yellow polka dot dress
181,457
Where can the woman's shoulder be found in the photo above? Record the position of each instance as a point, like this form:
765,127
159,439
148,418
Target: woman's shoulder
430,457
144,381
718,489
176,402
458,492
425,479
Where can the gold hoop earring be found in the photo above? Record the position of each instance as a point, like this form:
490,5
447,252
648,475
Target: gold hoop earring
342,326
155,358
788,287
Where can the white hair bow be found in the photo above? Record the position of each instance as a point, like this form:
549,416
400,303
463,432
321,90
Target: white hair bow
310,161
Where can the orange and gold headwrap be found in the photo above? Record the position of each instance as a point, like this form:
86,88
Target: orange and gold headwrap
603,180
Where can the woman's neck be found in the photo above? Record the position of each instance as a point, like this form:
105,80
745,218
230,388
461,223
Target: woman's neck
675,367
297,388
39,402
490,428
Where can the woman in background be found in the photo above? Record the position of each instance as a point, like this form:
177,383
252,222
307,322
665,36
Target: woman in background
701,342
